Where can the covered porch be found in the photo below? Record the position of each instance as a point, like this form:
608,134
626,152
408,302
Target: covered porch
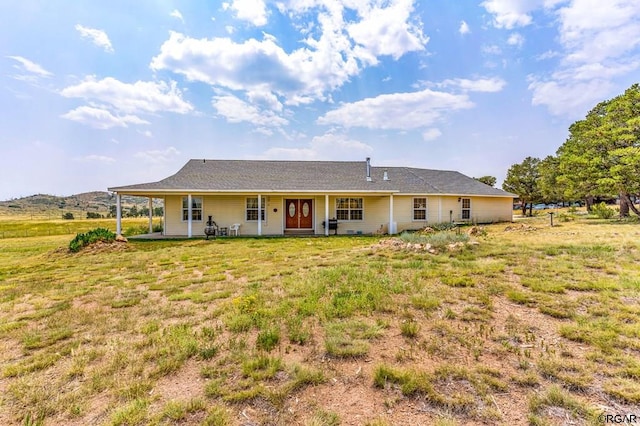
270,213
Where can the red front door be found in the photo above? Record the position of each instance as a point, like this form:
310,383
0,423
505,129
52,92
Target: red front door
299,214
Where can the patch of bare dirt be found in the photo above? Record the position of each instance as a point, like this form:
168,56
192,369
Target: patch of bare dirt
97,413
523,227
94,248
105,247
185,385
400,245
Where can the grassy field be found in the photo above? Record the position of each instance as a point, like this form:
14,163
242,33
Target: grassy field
15,226
523,324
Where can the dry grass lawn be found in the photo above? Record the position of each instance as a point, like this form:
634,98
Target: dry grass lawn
528,324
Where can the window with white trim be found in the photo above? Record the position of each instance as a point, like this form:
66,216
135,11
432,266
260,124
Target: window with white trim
196,209
419,209
349,209
252,209
466,208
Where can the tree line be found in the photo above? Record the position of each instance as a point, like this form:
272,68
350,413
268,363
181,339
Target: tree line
132,211
600,160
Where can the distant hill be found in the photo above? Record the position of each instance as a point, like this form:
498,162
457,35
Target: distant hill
52,206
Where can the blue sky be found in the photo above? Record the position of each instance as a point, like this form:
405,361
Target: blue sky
99,94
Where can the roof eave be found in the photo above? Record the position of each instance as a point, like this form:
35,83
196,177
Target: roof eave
128,191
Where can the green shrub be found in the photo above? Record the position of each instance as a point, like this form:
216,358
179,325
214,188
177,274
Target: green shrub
90,237
602,211
564,217
268,339
444,226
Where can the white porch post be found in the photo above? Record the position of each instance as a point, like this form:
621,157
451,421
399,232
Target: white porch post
164,216
118,215
259,214
189,217
326,215
391,227
150,215
439,209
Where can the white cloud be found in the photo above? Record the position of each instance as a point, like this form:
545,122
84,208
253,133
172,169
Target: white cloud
599,42
139,97
176,14
478,85
236,110
511,13
403,111
331,53
491,49
101,118
566,97
389,30
253,11
464,28
97,37
251,65
597,71
329,146
593,31
157,156
146,133
515,39
96,159
431,134
30,67
265,99
549,54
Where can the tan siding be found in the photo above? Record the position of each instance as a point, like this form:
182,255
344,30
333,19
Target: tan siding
452,209
375,215
485,209
173,218
448,208
318,217
403,212
229,209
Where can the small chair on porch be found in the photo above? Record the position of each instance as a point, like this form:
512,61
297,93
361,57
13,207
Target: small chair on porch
211,229
235,228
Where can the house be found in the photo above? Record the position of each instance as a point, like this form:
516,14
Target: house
298,197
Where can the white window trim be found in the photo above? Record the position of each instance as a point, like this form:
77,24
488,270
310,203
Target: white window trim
263,207
183,209
413,209
349,209
462,209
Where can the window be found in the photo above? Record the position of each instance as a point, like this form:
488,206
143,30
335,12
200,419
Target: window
419,209
466,208
252,209
349,209
196,208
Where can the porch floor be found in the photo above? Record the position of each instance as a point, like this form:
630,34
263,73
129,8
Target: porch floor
159,236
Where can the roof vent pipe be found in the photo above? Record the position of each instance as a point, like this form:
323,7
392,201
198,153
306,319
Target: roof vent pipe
368,169
386,175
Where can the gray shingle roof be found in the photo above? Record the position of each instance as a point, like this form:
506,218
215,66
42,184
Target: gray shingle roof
313,176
